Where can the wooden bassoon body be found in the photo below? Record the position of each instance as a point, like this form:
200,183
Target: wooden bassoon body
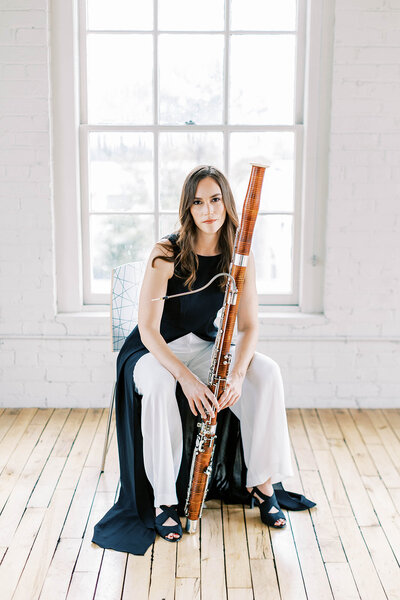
201,466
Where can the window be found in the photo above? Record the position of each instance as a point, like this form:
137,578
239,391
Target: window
142,92
175,83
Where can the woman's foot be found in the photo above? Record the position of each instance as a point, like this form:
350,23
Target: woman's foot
267,489
168,523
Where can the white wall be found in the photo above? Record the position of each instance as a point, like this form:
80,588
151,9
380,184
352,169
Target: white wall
351,358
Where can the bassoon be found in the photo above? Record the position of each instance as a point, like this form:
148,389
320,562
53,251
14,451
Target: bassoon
201,466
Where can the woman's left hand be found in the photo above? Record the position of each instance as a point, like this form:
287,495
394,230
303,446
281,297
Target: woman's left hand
232,391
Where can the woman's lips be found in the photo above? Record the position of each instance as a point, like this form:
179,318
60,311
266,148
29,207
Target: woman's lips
210,221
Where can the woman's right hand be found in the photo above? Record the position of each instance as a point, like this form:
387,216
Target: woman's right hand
198,395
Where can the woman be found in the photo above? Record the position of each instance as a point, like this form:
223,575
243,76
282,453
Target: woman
161,391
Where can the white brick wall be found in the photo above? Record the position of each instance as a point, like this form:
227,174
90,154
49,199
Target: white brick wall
363,224
351,360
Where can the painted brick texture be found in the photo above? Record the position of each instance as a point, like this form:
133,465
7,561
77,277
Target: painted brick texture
47,363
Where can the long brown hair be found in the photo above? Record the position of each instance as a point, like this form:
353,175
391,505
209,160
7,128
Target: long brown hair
185,255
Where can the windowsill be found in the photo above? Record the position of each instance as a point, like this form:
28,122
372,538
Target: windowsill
291,317
90,323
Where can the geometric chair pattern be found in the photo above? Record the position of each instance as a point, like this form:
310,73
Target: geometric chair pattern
126,281
125,289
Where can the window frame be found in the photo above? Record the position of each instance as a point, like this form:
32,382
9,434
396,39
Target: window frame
70,169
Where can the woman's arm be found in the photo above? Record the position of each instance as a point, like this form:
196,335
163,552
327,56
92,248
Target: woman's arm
154,285
247,320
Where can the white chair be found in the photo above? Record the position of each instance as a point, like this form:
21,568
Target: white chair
126,281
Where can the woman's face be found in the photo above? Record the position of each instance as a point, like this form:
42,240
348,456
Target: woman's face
208,208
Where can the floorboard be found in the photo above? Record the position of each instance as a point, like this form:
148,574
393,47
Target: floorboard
348,546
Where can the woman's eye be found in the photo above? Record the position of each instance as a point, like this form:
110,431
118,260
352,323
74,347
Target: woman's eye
199,201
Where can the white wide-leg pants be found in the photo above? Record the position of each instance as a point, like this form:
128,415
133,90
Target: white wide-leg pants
260,409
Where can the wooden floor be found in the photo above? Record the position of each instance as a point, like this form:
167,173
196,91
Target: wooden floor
348,546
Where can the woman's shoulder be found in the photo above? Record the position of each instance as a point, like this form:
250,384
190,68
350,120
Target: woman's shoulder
168,244
171,239
164,248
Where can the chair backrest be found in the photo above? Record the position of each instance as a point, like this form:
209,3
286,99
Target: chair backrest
126,282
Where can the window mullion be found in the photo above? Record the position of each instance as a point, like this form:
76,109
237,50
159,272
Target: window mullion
245,128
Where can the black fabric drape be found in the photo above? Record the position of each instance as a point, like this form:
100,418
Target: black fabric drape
129,525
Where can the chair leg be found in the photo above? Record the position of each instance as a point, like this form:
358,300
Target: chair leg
110,411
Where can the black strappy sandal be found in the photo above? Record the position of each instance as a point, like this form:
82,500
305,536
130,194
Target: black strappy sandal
164,530
269,501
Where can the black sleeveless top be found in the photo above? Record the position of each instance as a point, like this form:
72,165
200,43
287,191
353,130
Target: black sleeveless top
194,313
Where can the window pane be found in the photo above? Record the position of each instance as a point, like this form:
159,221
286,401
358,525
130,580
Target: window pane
117,94
119,14
180,153
115,240
191,14
278,149
121,171
191,79
168,224
262,79
272,246
263,14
